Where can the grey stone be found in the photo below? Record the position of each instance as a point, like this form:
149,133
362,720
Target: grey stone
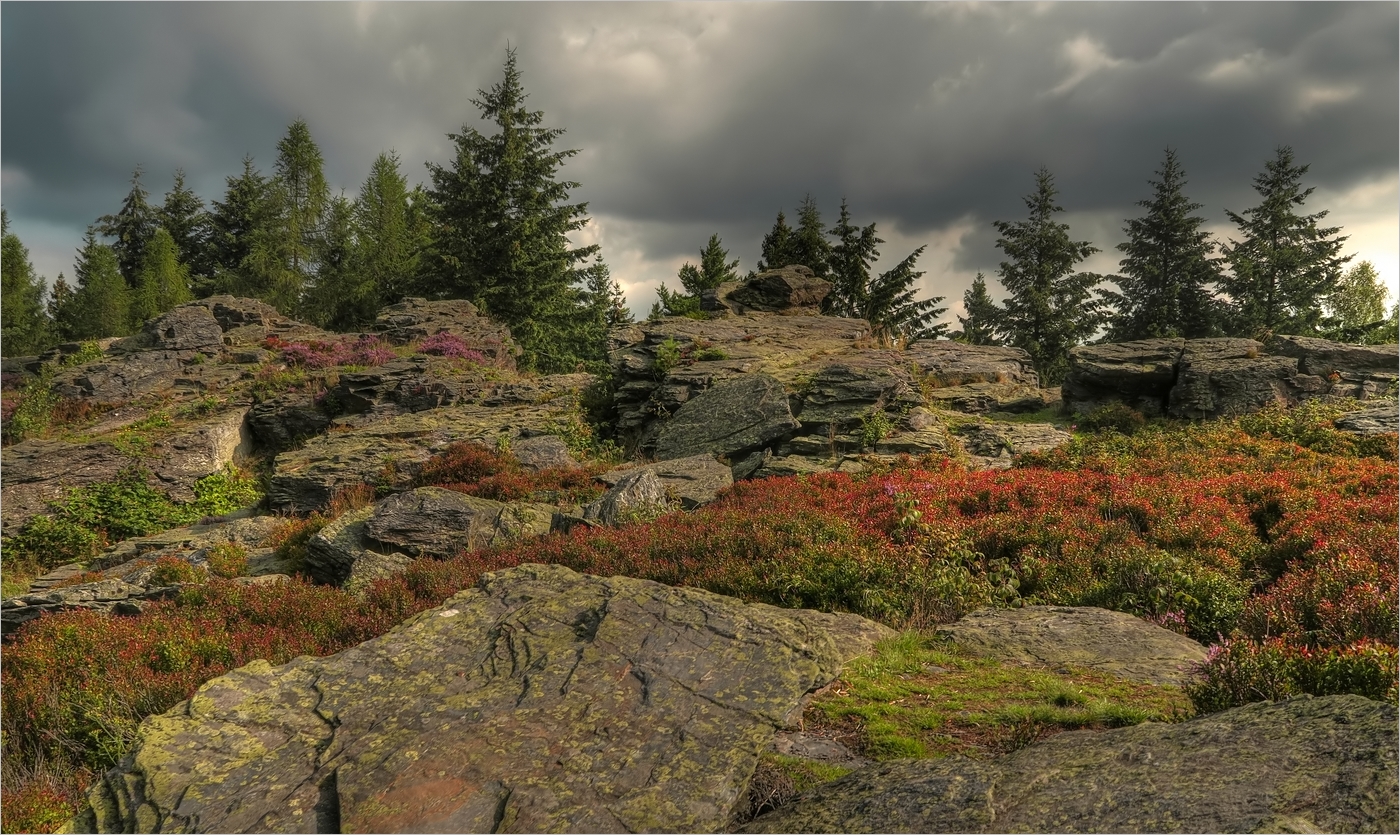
543,452
1112,642
540,701
638,494
1139,373
1379,420
992,445
730,420
1304,765
694,481
792,289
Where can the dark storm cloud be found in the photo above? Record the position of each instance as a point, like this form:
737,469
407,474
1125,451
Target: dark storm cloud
706,118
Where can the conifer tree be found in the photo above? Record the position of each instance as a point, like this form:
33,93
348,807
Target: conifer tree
1050,308
777,248
131,227
183,216
305,195
164,282
247,211
810,248
886,302
60,309
715,269
1286,264
606,302
980,325
102,303
1167,269
25,328
342,296
501,227
390,235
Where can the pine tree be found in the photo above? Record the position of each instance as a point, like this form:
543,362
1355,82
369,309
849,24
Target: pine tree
501,227
1164,285
164,281
1357,306
1050,308
24,323
715,269
60,308
777,250
1286,264
183,216
390,234
810,248
102,303
132,227
980,325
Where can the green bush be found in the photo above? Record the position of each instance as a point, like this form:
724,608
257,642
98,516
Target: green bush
668,356
1115,417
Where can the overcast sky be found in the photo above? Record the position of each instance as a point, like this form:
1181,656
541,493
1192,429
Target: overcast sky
692,119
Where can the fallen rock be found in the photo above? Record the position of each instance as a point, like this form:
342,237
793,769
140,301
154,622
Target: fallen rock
638,494
284,421
1380,420
1053,636
540,701
427,522
730,420
694,481
1218,377
189,327
1304,765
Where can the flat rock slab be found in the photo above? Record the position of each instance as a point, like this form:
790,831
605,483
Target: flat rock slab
694,481
541,701
734,417
1378,421
1112,642
1304,765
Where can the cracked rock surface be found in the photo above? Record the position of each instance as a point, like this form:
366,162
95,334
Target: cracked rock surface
541,701
1304,765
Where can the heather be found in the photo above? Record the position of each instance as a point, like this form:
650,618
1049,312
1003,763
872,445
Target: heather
1271,538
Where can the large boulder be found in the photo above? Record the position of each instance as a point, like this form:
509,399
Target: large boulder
426,522
286,420
640,493
792,290
1139,373
1230,377
730,419
991,445
1380,420
1052,636
540,701
693,481
1304,765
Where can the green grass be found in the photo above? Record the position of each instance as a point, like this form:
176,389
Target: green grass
919,697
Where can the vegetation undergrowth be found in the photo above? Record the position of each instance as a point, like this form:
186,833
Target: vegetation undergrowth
1271,537
89,518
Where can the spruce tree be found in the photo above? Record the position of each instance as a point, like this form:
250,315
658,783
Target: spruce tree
886,302
164,281
183,216
1167,269
390,235
1286,265
60,308
247,211
810,248
102,303
131,227
305,196
777,250
715,269
25,328
982,322
1049,308
342,297
501,227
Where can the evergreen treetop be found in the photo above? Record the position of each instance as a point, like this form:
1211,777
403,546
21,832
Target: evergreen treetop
131,227
24,321
1050,308
777,249
810,248
1285,264
183,216
982,322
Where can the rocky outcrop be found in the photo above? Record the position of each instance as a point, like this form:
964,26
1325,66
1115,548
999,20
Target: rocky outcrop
1380,420
792,290
1199,378
1304,765
427,522
993,445
305,479
728,420
1053,636
287,420
540,701
415,319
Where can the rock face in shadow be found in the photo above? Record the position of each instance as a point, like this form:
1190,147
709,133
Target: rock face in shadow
1201,378
1111,642
739,416
1304,765
540,701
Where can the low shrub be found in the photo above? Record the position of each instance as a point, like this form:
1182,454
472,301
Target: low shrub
1243,670
452,346
1115,417
366,350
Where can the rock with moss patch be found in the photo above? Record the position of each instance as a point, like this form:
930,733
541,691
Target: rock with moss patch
731,419
992,445
1054,636
1380,420
639,494
1304,765
542,700
694,481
